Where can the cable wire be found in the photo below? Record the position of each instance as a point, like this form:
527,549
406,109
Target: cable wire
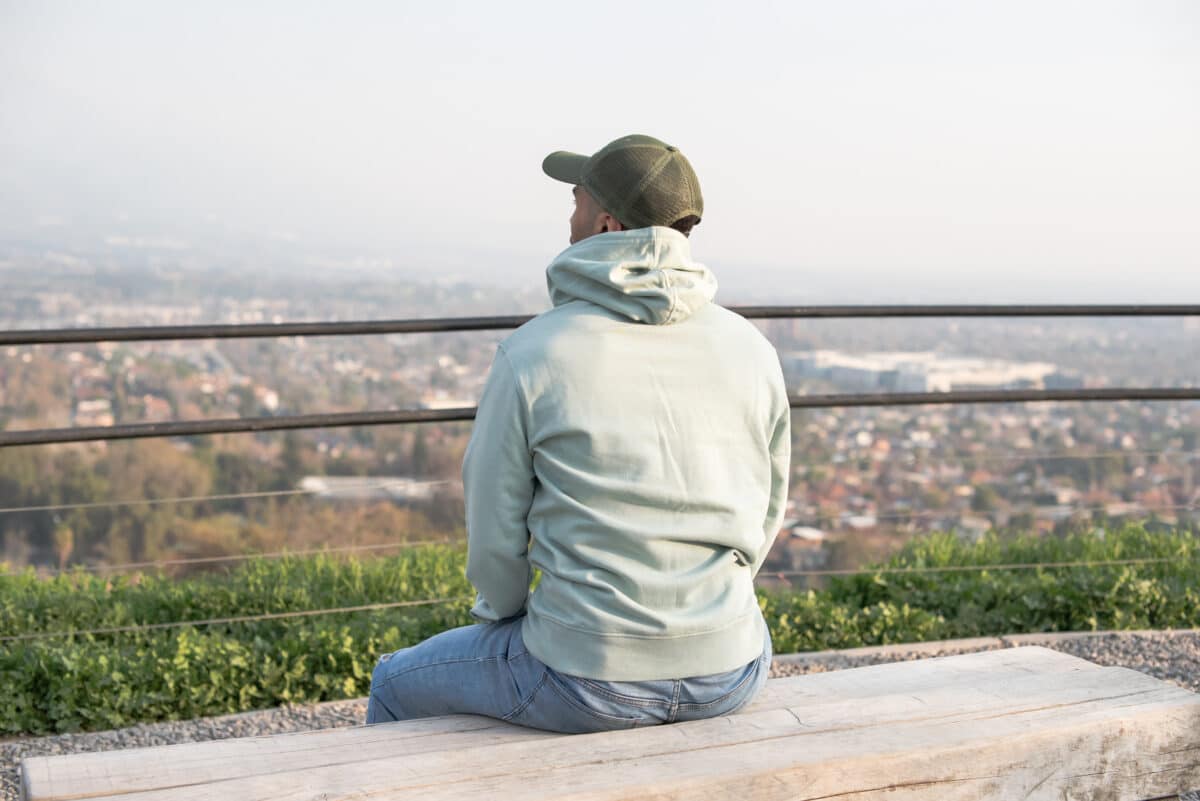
785,574
965,568
63,507
231,496
215,621
99,568
66,507
990,458
202,560
1030,510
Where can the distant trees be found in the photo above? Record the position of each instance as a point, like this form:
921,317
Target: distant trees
292,462
419,455
235,472
28,477
64,543
985,499
159,469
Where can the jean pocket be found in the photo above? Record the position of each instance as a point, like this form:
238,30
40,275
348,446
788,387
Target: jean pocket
612,714
622,692
731,698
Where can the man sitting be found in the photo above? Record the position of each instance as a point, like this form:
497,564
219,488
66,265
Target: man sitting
633,444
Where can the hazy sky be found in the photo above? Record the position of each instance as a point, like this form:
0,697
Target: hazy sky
946,150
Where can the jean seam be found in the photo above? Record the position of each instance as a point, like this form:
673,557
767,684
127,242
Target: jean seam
390,676
709,704
676,688
611,695
521,707
742,686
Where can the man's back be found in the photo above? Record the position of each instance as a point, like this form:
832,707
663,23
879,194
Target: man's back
633,444
656,428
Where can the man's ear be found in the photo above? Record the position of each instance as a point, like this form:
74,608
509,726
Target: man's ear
611,223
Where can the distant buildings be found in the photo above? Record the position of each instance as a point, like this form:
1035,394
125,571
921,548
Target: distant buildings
96,412
398,489
901,371
798,547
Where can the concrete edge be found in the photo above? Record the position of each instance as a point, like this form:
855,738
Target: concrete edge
969,644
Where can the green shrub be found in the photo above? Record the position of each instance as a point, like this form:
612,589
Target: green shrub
99,681
1001,601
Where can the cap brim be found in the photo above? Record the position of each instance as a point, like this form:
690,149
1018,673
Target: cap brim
566,167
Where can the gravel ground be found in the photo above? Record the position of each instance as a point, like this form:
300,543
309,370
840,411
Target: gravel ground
1171,656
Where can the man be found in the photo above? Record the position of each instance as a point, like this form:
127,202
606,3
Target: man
633,444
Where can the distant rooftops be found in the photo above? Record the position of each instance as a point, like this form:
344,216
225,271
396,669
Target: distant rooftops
399,489
918,371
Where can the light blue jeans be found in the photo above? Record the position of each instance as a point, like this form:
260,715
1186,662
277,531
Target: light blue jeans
485,670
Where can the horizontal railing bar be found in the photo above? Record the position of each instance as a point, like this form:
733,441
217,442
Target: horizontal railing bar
232,425
445,324
185,428
850,399
970,310
258,330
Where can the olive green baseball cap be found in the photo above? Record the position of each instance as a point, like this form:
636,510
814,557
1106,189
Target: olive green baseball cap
637,179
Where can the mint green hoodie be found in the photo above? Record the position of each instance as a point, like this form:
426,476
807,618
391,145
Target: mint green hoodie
633,444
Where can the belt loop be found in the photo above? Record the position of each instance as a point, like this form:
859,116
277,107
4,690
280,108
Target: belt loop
676,689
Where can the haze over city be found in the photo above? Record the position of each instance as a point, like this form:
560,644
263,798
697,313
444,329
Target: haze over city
863,151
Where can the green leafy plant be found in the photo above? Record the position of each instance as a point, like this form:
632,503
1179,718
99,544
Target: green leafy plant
99,681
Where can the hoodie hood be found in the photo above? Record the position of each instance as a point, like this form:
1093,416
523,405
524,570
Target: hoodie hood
645,274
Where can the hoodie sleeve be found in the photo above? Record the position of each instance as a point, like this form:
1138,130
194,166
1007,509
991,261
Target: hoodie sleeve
780,457
498,483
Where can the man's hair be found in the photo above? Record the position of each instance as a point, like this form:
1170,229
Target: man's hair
686,224
683,225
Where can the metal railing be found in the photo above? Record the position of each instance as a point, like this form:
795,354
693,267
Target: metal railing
435,325
457,324
440,325
233,425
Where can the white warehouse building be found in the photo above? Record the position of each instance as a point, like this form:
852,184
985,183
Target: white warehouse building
922,371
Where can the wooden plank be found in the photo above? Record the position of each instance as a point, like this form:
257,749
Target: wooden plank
930,648
1062,728
1020,716
960,669
101,773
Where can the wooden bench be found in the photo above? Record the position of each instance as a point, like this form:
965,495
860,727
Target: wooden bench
1027,723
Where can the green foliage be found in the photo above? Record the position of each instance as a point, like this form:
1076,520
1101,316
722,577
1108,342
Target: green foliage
978,603
100,681
85,682
813,621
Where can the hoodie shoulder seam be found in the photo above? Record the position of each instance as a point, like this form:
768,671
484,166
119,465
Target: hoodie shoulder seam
502,351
